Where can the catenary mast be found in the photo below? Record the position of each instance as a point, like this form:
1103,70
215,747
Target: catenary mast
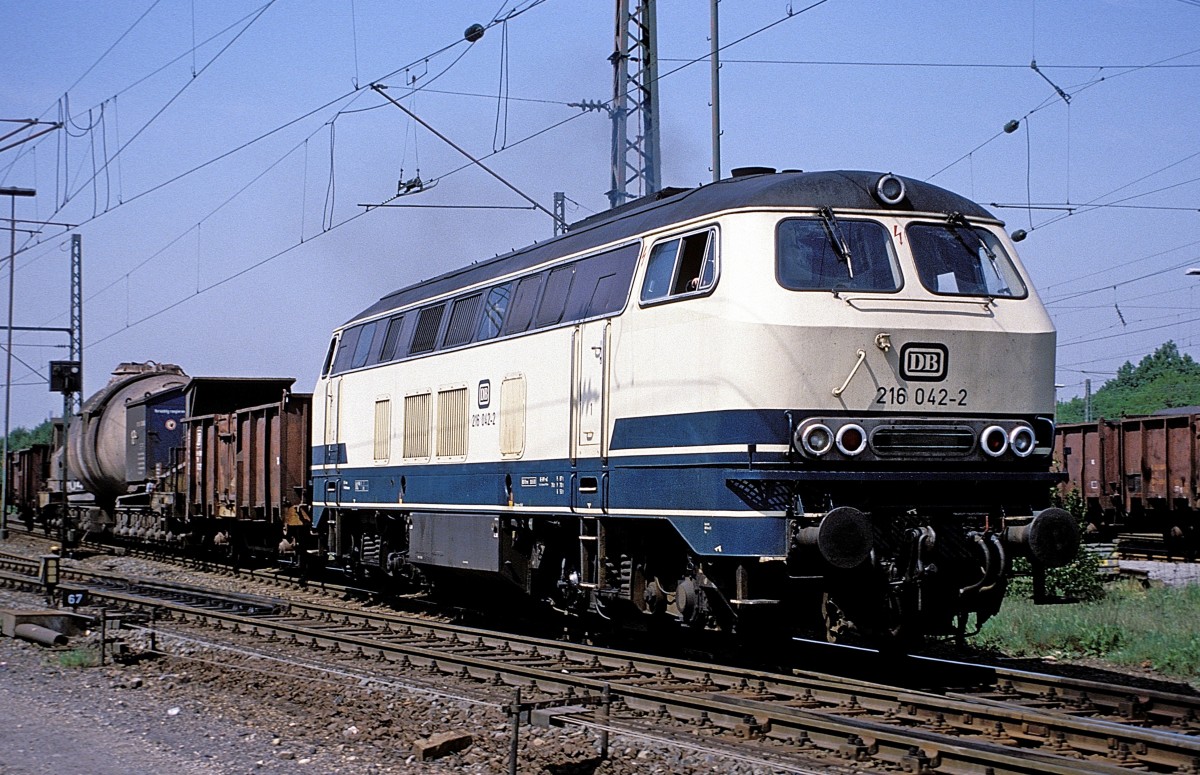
636,168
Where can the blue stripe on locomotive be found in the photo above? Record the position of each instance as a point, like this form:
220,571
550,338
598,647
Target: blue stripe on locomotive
679,481
732,426
663,484
329,455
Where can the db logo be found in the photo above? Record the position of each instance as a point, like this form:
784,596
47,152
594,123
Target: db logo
921,362
485,393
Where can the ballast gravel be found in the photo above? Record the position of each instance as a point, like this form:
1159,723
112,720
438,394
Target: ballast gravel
214,709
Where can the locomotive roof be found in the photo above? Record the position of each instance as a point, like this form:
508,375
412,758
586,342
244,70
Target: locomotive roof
841,189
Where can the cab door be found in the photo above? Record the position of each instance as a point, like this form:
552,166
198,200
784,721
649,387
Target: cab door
589,404
589,414
332,448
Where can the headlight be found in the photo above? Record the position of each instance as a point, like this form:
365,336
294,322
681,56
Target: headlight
994,440
816,439
851,440
889,189
1022,440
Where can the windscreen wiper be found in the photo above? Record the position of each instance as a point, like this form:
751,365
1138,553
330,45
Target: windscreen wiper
840,246
957,220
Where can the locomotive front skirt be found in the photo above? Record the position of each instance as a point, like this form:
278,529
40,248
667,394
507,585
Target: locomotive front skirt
823,394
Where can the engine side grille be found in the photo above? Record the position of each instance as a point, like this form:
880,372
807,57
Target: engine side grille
922,440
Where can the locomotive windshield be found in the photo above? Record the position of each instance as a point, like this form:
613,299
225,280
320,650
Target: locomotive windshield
957,259
832,254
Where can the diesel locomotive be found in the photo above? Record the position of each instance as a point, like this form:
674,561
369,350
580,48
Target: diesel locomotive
771,401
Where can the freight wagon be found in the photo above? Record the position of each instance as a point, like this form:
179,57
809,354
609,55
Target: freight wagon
1136,475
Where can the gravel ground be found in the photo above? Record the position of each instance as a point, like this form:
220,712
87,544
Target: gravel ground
216,709
219,712
1172,574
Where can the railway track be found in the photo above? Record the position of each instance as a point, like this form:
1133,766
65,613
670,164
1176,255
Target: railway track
1012,721
1152,546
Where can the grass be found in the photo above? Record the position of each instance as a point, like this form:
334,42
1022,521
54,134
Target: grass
1157,628
82,657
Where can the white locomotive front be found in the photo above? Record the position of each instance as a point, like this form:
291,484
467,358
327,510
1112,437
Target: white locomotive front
758,401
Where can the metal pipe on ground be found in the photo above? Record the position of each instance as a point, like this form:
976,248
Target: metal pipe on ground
39,634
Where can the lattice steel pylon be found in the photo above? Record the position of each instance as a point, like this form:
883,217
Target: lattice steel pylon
72,401
634,110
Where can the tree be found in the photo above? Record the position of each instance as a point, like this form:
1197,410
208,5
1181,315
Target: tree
1162,380
23,438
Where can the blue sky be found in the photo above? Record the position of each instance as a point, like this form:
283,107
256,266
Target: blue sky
243,266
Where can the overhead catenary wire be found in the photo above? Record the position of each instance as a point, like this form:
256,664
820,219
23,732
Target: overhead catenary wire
136,83
1061,311
19,360
351,96
500,127
382,91
933,65
1073,207
347,97
1107,358
181,90
790,14
1095,202
1094,339
1108,286
66,192
1124,263
211,213
114,44
130,323
1053,101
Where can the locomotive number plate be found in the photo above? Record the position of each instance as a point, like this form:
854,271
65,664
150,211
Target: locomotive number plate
921,396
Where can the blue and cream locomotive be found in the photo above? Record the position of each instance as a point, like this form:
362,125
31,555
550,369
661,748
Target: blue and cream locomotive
765,400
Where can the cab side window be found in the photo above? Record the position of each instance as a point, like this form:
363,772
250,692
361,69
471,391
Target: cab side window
329,357
523,304
680,266
346,346
367,343
392,340
493,312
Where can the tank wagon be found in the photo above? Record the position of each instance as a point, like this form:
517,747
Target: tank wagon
774,399
99,441
1137,475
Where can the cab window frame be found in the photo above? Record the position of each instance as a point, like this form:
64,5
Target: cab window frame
893,254
676,289
995,244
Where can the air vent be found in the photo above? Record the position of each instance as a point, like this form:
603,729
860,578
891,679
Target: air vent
922,440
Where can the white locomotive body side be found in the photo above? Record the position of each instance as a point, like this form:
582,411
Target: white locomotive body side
710,406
